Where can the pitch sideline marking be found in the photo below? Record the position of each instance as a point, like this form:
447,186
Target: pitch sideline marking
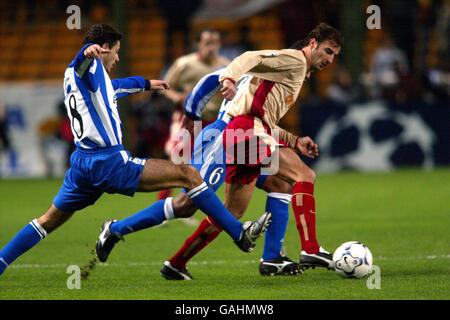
197,263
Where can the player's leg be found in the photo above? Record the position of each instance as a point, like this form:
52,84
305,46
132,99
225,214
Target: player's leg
158,174
274,260
68,200
208,159
236,200
293,170
31,234
277,202
279,195
170,208
181,206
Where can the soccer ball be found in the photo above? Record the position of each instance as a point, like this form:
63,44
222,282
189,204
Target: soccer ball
352,259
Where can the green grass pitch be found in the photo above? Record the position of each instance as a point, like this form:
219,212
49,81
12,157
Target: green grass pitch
403,217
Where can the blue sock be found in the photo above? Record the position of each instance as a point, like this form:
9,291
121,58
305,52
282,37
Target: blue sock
206,200
278,205
24,240
146,218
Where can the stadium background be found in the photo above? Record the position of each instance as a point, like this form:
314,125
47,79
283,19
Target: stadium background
383,105
378,88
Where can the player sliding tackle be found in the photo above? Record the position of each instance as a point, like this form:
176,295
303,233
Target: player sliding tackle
100,164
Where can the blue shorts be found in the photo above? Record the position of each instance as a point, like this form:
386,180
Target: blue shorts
208,156
92,173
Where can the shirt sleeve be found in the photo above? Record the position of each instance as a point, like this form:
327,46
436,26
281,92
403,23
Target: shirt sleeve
242,64
266,64
203,91
126,86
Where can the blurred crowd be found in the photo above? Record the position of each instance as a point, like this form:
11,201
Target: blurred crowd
409,63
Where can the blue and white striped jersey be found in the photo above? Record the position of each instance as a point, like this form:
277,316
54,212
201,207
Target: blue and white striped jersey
205,89
91,102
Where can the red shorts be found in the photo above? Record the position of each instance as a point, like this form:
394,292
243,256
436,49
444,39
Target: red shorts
248,145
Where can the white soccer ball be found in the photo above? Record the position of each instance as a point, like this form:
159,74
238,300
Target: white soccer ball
352,259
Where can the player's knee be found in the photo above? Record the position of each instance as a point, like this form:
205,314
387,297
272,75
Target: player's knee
191,177
307,175
304,174
277,185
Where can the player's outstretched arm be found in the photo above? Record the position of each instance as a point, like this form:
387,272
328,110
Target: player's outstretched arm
126,86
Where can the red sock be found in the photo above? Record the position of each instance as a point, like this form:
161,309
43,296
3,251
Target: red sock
304,207
163,194
206,232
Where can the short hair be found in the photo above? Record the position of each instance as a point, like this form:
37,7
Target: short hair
321,33
102,33
198,36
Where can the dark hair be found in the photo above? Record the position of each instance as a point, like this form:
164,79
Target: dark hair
198,36
321,33
102,33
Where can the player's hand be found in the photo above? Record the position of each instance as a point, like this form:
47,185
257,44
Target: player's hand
95,51
159,85
187,123
307,147
228,90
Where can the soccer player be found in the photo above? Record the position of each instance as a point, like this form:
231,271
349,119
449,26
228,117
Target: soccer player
278,76
100,164
187,70
182,76
208,159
